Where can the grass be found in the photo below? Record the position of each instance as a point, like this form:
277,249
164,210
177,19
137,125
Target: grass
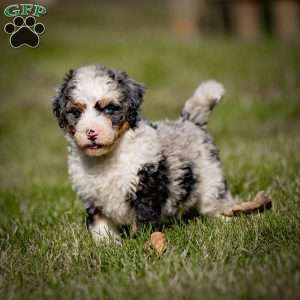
45,251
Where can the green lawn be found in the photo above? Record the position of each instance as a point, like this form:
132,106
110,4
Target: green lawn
45,251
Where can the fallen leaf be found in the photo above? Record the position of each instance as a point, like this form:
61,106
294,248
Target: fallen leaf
158,242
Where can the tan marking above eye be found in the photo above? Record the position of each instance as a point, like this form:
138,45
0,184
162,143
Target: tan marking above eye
77,104
103,102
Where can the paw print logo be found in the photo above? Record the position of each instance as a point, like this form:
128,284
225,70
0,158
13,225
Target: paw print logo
24,32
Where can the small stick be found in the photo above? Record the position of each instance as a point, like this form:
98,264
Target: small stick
260,203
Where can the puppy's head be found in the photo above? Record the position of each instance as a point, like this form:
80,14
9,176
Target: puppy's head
95,106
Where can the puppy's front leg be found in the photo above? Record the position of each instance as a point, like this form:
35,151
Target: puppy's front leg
101,227
151,193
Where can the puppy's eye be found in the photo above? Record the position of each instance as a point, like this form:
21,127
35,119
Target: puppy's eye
109,109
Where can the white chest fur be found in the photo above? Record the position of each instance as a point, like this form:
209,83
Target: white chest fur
106,181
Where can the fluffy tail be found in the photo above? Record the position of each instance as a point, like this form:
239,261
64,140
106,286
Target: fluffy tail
198,107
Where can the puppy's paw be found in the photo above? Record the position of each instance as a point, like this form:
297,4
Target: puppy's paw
109,238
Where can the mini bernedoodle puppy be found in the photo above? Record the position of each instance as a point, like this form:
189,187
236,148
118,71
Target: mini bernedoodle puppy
127,170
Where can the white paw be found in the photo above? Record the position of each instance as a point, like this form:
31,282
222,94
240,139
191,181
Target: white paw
109,237
102,231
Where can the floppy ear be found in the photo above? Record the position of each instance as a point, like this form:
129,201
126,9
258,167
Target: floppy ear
135,100
134,92
59,100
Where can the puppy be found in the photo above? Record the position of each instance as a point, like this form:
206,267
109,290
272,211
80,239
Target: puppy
127,170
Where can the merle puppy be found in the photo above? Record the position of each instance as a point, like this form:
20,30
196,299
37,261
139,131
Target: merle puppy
127,170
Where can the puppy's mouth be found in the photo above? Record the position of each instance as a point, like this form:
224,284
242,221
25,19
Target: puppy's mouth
95,146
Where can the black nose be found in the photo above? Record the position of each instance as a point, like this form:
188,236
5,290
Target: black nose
91,134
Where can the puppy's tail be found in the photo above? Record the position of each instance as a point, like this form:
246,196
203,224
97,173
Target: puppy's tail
197,108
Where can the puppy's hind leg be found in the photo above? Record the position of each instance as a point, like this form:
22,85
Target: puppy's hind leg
217,201
215,196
